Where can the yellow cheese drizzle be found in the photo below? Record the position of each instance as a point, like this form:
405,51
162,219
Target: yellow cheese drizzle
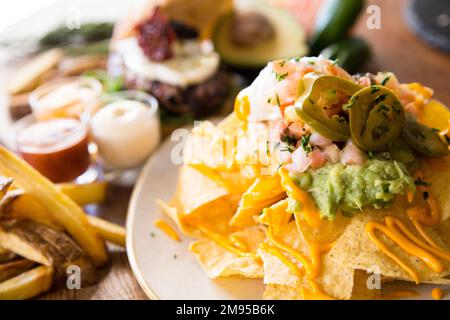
396,230
211,174
312,265
238,242
164,226
279,254
437,293
315,293
242,109
309,211
228,244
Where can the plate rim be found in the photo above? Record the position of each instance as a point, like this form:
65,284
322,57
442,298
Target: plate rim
131,212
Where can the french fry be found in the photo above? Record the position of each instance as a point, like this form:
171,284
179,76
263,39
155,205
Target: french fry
109,231
39,243
18,204
35,72
63,210
6,256
28,284
84,194
14,268
5,183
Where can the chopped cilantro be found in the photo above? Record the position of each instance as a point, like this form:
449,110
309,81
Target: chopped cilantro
305,143
281,76
278,100
289,140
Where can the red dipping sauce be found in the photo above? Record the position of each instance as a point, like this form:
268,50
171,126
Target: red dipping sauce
57,148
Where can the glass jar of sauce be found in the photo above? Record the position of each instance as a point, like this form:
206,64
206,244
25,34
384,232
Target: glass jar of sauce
64,98
58,148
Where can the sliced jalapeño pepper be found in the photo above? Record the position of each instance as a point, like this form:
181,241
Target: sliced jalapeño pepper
320,105
424,140
376,118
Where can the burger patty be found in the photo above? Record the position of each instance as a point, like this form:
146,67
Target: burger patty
198,100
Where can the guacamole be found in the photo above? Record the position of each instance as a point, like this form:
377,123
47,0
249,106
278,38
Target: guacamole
350,188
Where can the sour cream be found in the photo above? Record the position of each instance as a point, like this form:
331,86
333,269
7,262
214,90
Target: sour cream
194,62
126,132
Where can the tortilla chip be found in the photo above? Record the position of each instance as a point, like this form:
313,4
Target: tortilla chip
231,122
210,146
443,231
264,192
437,173
361,290
214,216
328,231
196,189
219,262
336,280
276,215
280,292
175,216
356,250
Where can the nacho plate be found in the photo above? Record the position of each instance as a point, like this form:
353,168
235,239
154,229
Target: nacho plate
161,276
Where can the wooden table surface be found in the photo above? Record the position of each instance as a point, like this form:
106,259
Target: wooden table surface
396,49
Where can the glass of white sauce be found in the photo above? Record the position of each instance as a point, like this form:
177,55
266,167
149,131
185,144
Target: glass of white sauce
125,128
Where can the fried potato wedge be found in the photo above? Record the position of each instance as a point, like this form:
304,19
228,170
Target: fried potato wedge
6,256
5,183
63,210
47,246
14,268
109,231
17,205
84,194
28,284
35,71
38,242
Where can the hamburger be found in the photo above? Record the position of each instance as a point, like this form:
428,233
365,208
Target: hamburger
162,47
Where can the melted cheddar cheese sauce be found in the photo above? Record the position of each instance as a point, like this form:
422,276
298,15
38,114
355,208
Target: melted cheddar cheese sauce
424,248
242,108
309,211
437,293
231,243
311,264
212,174
167,229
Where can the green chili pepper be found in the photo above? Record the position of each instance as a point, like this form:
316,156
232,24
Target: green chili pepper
424,140
376,118
320,105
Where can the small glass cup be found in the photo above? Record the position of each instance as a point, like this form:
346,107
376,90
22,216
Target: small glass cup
57,148
125,127
64,97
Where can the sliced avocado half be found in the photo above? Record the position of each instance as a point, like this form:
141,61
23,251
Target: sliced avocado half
287,40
